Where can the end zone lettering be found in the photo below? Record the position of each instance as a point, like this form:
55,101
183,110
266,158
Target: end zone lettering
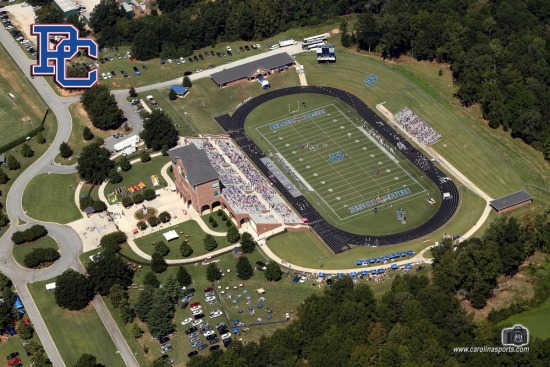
53,61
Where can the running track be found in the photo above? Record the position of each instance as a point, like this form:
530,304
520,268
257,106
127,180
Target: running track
337,239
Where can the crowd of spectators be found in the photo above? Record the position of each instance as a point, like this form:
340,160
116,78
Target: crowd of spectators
417,127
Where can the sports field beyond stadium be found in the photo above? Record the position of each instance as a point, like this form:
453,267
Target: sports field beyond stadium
342,169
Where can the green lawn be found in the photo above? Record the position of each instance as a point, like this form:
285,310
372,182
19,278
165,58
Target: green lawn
14,122
305,249
76,141
365,171
41,204
205,100
222,226
140,172
536,320
399,88
75,332
191,228
20,251
13,344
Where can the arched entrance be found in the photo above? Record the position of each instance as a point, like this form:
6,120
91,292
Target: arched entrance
204,208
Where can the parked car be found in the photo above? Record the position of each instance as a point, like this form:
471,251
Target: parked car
195,58
136,70
226,336
192,354
202,346
241,48
13,361
201,57
190,59
229,53
214,341
186,321
144,67
189,291
12,355
190,330
228,48
218,54
113,73
214,347
247,48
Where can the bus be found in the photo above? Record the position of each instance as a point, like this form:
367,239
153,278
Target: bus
314,46
313,40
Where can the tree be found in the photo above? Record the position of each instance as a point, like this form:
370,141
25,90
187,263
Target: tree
127,202
136,331
152,220
124,164
210,242
13,164
161,362
213,272
144,303
127,313
149,194
105,15
244,269
94,164
99,206
132,92
87,133
137,199
40,255
165,217
172,95
73,290
345,37
109,269
101,106
233,234
273,272
24,330
186,82
75,20
8,313
114,176
151,279
185,249
145,157
160,318
367,32
111,242
117,294
26,150
162,248
159,131
158,264
49,14
86,360
145,45
40,138
65,150
183,277
247,243
3,177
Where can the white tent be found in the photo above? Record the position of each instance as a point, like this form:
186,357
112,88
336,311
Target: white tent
50,286
170,235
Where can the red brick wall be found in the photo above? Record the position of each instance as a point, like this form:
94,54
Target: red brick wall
514,207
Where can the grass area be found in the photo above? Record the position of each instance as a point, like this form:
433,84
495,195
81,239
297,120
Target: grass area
14,81
206,100
20,251
40,203
75,332
343,167
91,190
191,228
80,120
536,320
14,344
222,227
14,122
305,249
140,172
399,88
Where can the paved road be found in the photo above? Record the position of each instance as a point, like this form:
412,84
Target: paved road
69,242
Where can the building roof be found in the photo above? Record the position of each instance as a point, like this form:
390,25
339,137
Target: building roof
179,89
2,158
127,8
248,69
196,163
511,200
66,5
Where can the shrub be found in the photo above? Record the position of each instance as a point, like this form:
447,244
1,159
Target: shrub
214,224
127,202
210,242
99,206
219,212
141,225
224,217
86,202
132,92
137,198
99,141
228,223
29,235
87,133
13,164
162,248
40,255
124,164
111,242
65,150
186,82
233,234
158,264
172,95
185,249
149,194
153,221
210,218
165,217
145,157
114,176
3,177
26,151
40,138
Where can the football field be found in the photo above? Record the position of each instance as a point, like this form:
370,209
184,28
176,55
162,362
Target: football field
341,168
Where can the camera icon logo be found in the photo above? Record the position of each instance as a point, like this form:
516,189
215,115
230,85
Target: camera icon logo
515,336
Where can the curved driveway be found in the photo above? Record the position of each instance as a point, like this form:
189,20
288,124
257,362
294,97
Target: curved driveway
69,242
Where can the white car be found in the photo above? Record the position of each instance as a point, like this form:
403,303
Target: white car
24,5
197,322
215,314
226,336
228,48
210,298
197,312
196,308
103,75
209,332
186,321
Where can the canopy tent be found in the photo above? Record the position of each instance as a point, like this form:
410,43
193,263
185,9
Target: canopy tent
353,274
394,266
170,235
371,260
260,290
364,272
373,271
18,303
408,266
381,271
321,274
339,275
410,252
358,262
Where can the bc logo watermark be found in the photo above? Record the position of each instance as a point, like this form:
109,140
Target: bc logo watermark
53,60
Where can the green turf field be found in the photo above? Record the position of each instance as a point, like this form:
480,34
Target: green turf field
355,181
14,123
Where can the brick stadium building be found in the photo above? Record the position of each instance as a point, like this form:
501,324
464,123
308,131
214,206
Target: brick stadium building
198,184
510,202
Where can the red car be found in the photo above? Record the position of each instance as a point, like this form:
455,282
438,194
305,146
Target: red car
11,362
195,304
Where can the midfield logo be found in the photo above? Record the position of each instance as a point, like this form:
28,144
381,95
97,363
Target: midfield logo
53,61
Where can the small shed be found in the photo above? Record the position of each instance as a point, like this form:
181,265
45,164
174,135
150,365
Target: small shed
237,252
50,286
510,202
128,9
68,7
260,290
179,90
170,235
